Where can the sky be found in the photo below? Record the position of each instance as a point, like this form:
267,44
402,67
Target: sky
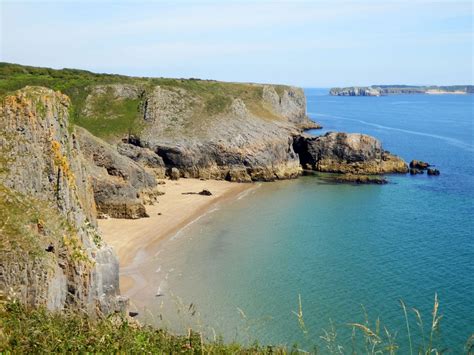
305,43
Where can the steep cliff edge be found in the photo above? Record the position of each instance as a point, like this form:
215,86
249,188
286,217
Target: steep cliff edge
51,251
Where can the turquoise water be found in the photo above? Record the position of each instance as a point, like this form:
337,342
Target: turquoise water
339,246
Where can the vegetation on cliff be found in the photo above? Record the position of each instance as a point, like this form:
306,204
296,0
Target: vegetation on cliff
110,116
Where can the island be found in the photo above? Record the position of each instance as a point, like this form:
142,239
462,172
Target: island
382,90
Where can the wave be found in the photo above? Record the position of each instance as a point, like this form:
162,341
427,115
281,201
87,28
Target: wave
248,192
407,102
178,233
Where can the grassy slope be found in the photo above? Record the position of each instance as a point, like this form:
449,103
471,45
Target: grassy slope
24,330
112,118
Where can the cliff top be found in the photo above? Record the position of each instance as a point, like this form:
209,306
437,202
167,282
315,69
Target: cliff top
111,105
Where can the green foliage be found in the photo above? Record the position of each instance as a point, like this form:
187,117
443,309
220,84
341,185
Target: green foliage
25,330
23,225
111,117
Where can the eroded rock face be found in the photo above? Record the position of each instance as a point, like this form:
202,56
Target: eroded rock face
143,156
352,153
236,144
42,165
119,183
242,134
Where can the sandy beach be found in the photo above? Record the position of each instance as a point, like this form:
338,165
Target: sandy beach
136,241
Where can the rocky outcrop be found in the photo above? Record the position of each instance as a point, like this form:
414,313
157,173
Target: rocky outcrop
418,164
51,251
419,167
346,153
120,184
246,141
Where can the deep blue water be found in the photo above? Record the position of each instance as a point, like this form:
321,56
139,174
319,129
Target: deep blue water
342,246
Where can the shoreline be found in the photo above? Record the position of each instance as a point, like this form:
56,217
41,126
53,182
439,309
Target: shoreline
137,241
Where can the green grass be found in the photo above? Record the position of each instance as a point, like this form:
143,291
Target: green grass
111,117
23,221
27,330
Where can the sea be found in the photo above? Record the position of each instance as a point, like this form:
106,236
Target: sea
308,264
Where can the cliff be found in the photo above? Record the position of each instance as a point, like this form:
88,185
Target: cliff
51,252
206,129
239,132
381,90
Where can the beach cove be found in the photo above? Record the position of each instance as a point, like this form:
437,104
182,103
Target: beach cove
136,242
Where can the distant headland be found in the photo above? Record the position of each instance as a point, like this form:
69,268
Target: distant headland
382,90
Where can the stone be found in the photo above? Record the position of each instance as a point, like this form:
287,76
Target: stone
359,179
174,174
418,164
205,193
433,172
415,171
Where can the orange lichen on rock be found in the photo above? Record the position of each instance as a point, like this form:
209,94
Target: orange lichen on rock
62,163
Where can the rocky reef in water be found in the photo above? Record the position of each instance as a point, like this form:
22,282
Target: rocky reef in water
382,90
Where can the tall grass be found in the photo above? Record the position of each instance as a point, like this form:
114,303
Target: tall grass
374,338
26,330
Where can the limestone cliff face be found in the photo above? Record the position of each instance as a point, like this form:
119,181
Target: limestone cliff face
121,185
347,153
241,135
51,251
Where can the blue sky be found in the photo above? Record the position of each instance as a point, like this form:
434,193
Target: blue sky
305,43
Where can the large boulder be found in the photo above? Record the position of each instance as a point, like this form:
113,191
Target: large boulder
352,153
